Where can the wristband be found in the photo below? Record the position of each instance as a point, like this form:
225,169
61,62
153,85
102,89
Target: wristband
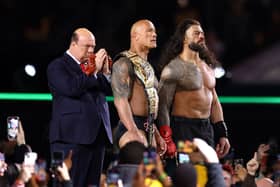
220,129
162,176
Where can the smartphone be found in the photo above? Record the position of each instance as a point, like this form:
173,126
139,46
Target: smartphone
41,164
12,127
30,158
113,179
2,157
40,170
149,160
2,163
183,158
57,158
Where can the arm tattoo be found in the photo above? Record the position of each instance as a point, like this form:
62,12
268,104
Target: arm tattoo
167,87
122,79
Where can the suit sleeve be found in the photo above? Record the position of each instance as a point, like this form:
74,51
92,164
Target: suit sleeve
64,81
105,85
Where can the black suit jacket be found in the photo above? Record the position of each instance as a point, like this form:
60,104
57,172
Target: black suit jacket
79,104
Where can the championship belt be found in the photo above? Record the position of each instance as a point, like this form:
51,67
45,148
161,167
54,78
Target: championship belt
145,73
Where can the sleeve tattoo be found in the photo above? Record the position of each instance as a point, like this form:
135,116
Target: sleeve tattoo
167,89
121,79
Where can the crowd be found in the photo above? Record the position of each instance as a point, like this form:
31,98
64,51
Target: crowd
137,166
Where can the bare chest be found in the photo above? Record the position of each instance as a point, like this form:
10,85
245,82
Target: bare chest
195,77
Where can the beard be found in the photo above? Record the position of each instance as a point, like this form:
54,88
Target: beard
198,47
204,53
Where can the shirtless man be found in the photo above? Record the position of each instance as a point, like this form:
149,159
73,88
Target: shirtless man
134,87
187,91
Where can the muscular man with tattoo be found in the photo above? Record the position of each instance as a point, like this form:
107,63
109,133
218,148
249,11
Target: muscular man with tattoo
134,87
188,102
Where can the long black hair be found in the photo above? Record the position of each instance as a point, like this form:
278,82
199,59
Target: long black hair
175,44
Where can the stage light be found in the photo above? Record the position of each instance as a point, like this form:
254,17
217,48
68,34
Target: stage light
219,72
15,96
30,70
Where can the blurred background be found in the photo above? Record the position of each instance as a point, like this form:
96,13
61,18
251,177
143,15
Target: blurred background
243,34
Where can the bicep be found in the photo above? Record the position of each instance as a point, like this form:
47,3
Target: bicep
167,86
121,80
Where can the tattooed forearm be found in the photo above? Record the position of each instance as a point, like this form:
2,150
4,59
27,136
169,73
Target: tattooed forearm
166,95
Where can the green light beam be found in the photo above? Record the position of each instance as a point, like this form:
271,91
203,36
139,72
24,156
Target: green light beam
223,99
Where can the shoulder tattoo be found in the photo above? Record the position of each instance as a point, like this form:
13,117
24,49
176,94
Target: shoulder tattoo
122,76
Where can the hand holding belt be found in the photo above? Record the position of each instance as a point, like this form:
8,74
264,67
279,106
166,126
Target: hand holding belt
150,129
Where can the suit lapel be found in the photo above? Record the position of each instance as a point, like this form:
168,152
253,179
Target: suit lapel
71,63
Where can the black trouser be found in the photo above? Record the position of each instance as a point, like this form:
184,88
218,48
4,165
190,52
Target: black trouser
188,129
87,160
139,121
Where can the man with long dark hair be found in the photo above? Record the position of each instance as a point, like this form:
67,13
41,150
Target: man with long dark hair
188,102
